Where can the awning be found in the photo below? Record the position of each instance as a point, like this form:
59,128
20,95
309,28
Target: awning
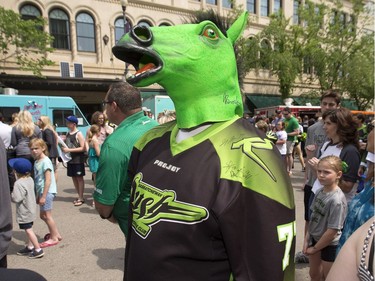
306,101
255,101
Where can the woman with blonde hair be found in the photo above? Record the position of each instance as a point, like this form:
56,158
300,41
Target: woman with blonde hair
14,119
50,138
22,133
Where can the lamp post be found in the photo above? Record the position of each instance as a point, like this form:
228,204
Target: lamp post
124,3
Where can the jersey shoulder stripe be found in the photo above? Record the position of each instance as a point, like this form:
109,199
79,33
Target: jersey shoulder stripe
154,133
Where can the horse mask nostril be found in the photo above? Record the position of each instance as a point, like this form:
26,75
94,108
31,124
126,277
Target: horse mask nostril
142,34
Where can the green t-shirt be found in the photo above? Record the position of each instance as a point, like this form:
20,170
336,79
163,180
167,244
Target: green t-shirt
291,124
113,165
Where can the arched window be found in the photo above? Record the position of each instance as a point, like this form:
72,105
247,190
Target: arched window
252,46
227,4
212,2
277,5
59,28
265,50
264,8
164,24
85,33
145,23
120,30
296,5
29,12
251,6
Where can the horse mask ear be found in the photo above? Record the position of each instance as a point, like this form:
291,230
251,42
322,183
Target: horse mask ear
235,31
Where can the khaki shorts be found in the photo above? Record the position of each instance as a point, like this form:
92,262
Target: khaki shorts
289,147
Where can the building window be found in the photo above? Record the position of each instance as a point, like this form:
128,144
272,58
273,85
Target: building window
120,30
164,24
60,29
296,5
307,65
144,23
212,2
352,23
227,4
85,33
264,8
250,4
277,6
265,49
29,12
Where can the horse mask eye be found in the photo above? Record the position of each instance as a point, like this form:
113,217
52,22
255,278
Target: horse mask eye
210,34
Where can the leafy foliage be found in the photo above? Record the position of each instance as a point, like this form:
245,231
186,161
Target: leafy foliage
24,41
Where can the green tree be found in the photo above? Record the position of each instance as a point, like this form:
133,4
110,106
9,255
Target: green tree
283,60
327,48
330,37
359,74
24,42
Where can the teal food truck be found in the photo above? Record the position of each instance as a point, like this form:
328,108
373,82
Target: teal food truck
56,108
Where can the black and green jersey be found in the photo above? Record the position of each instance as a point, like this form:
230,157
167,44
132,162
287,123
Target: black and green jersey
216,206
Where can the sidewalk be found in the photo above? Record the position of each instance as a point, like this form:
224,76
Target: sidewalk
92,248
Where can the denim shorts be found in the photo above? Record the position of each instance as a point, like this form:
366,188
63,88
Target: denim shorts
49,202
328,253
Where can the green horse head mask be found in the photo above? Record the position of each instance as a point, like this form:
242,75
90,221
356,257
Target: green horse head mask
194,63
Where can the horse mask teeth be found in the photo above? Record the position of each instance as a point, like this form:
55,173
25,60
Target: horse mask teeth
145,68
194,63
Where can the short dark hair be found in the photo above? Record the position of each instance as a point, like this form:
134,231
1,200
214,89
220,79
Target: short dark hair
332,94
361,117
278,111
125,95
287,109
346,125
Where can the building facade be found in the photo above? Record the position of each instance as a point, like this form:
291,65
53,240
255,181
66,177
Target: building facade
85,32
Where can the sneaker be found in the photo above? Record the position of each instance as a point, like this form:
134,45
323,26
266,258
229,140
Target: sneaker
35,255
301,258
25,251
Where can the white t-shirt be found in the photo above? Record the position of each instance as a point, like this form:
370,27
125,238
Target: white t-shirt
370,157
281,135
331,149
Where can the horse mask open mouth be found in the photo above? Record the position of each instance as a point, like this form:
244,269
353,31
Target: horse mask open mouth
194,63
135,51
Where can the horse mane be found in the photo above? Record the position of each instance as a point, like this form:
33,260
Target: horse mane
199,16
223,23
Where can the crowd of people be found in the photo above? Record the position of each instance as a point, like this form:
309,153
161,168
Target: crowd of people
329,150
207,196
335,151
338,152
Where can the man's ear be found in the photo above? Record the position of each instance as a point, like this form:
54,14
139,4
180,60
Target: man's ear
114,106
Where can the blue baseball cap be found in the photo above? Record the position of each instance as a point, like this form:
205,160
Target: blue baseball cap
20,165
72,119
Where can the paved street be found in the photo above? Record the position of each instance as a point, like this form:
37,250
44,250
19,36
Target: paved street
92,248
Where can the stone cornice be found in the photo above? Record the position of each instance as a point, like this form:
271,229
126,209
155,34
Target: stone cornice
153,7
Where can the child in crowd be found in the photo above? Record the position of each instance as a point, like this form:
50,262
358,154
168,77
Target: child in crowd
76,147
94,150
281,139
327,219
45,185
262,125
24,197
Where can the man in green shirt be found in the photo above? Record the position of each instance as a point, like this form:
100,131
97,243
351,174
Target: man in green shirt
123,106
292,130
